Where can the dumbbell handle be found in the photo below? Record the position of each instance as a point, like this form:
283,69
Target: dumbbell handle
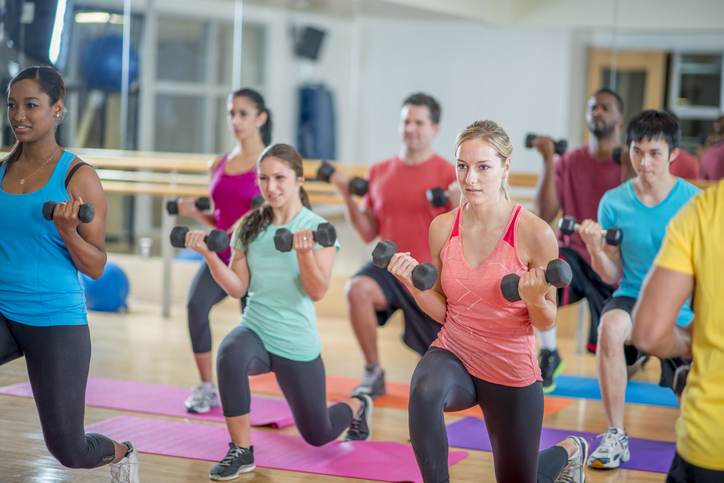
560,146
86,212
558,273
216,240
612,235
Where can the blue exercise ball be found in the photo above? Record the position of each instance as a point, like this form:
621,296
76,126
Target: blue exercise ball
103,63
189,255
110,292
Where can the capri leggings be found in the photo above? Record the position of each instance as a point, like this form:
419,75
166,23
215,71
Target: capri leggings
203,295
58,358
242,354
513,416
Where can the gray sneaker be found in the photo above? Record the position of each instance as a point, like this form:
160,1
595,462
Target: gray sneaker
373,382
575,469
612,451
202,399
126,470
237,461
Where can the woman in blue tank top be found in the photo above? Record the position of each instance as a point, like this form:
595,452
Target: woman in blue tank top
42,308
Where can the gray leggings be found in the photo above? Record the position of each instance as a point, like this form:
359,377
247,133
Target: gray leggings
57,359
513,416
203,295
242,354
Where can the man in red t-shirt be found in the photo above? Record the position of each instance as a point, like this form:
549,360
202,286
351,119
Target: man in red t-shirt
574,184
396,208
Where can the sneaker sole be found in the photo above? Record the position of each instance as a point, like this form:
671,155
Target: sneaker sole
599,465
242,470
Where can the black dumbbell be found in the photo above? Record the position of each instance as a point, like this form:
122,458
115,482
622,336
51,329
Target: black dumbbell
216,240
437,197
613,236
257,201
202,204
558,274
325,235
560,146
424,275
86,212
357,186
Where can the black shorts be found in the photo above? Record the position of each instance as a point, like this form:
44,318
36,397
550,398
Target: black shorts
420,330
668,366
585,284
681,471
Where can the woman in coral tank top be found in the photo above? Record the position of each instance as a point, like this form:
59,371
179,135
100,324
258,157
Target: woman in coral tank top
485,352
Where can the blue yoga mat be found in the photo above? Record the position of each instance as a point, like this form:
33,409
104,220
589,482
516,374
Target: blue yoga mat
637,392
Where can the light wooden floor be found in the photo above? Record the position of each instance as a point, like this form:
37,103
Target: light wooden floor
144,347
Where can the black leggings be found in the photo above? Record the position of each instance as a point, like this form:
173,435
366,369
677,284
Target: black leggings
203,295
58,358
513,416
242,354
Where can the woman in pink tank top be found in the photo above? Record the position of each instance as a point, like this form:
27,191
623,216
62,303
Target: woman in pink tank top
485,352
233,187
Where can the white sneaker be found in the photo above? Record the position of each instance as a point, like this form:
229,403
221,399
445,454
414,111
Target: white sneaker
612,451
574,471
126,470
202,399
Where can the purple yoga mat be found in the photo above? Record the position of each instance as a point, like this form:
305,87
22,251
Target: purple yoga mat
164,400
371,460
646,454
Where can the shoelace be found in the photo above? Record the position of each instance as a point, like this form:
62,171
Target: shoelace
230,456
608,439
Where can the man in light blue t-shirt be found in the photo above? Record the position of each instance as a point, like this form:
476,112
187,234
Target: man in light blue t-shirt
641,208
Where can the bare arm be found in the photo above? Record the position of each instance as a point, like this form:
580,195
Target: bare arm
86,242
605,259
546,198
433,302
655,330
363,220
234,278
315,266
538,247
187,207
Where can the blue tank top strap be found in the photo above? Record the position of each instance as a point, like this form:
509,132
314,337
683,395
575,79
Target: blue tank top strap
57,179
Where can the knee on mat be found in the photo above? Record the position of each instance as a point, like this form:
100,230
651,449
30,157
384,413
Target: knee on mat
68,454
314,438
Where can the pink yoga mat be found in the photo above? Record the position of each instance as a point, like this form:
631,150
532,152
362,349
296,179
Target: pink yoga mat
371,460
164,400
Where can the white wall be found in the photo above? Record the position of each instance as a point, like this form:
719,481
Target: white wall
519,79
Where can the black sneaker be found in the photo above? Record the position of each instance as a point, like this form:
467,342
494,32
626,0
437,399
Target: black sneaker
237,460
551,365
361,427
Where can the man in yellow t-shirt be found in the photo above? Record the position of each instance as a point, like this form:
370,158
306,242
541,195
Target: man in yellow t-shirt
691,261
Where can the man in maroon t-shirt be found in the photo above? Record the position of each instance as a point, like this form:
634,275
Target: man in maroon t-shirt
574,184
712,162
396,208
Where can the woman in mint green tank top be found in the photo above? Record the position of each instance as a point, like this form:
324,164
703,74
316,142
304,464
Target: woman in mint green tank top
278,331
42,308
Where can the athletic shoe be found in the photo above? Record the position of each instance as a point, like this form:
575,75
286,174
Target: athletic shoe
361,427
126,470
640,362
202,399
373,382
551,365
237,461
612,451
575,471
